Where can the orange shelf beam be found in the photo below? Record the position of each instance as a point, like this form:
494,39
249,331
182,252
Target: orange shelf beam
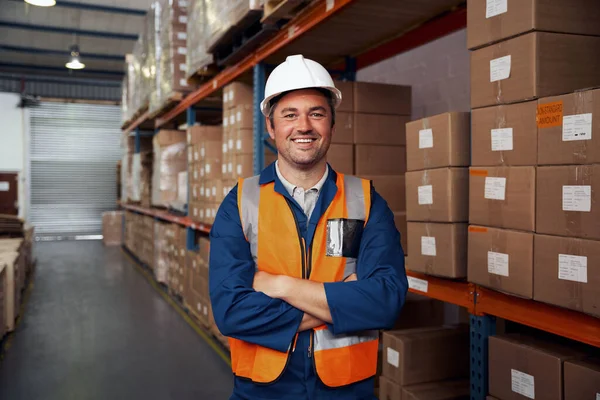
449,291
140,120
559,321
165,216
307,20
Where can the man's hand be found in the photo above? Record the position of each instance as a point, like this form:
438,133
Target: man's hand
269,284
351,278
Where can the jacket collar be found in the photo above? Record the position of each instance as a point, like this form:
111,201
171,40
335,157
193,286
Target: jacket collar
269,175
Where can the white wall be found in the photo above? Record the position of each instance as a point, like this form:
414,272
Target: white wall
13,127
439,73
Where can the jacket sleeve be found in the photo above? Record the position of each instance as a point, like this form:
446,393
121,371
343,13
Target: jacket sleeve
239,311
373,301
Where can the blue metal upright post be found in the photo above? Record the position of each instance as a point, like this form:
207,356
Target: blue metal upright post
259,120
137,141
350,72
190,116
481,329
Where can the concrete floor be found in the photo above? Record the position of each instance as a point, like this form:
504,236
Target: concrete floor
95,329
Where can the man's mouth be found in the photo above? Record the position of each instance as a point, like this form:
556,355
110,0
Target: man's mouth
304,140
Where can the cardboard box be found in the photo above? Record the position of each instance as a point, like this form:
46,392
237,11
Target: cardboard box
347,89
212,168
166,137
567,201
379,160
582,379
112,228
439,141
380,98
392,188
244,141
380,129
244,165
522,367
502,197
341,158
569,128
344,128
197,134
501,259
237,93
444,390
504,19
505,135
421,355
439,195
211,150
437,249
420,311
401,225
567,273
533,65
389,390
244,117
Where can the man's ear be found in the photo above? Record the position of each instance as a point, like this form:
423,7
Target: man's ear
269,128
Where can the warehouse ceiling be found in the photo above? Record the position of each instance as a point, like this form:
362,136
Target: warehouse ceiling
36,40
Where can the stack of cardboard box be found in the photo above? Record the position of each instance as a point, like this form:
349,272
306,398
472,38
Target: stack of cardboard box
525,367
205,161
369,140
566,270
437,194
139,237
421,362
112,228
196,296
176,262
523,51
238,143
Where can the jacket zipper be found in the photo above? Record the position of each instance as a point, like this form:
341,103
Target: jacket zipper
300,239
306,265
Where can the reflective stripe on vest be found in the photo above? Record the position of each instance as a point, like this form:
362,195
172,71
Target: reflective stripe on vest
270,228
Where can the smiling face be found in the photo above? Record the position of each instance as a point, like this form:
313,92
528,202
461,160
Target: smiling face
302,128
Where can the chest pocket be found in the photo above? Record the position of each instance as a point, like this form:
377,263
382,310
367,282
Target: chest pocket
343,237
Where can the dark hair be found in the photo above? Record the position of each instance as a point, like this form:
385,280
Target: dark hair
328,95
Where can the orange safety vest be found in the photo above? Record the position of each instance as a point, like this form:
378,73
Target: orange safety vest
278,248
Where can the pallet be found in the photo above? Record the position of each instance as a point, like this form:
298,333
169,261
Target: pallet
276,10
135,116
251,17
168,104
244,44
202,75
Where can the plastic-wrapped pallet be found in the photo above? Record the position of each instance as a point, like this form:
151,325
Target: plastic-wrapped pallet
152,28
222,15
138,87
170,158
198,57
172,61
125,114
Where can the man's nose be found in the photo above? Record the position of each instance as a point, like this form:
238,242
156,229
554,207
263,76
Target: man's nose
304,125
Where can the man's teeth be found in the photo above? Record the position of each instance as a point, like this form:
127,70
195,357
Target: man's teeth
303,140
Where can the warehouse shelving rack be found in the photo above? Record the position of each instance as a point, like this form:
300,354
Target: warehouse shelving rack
333,25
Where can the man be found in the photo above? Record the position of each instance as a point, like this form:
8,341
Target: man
305,263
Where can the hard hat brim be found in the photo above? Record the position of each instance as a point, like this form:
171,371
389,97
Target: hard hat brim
337,97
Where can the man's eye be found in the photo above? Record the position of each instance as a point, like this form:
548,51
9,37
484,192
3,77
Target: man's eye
289,116
317,115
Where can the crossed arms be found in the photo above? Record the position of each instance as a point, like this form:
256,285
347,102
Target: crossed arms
268,310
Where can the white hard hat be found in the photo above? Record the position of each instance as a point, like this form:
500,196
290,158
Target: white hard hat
296,73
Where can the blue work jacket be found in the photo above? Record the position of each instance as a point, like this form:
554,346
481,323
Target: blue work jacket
372,302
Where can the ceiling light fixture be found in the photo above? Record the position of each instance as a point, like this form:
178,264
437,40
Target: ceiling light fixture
41,3
74,63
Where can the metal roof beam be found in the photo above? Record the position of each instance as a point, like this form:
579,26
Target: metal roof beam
68,31
60,69
66,80
34,50
97,7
